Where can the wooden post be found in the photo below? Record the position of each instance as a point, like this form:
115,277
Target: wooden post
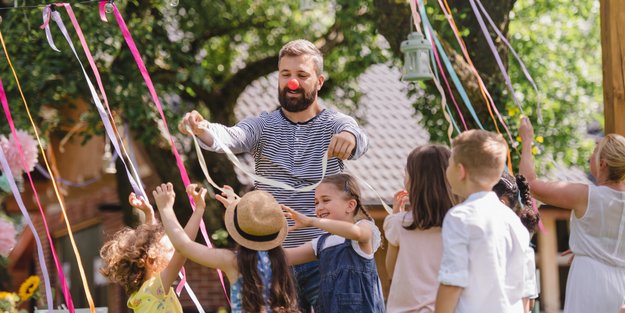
613,56
548,263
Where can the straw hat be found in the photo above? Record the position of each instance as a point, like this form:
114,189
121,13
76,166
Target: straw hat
256,221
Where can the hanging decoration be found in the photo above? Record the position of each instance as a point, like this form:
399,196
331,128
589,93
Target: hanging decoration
416,51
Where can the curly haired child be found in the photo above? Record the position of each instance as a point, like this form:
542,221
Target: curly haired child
143,261
514,191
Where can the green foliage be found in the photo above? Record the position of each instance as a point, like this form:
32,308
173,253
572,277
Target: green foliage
201,54
560,43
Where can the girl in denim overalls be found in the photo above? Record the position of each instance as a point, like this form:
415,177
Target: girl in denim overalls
349,277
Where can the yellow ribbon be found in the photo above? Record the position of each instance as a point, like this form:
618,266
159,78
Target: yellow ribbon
53,179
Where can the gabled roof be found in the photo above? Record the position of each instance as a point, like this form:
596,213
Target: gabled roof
390,121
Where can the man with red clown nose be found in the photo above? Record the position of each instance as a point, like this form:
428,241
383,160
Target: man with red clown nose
288,145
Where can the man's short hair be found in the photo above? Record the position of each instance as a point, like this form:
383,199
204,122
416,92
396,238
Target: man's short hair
303,47
482,153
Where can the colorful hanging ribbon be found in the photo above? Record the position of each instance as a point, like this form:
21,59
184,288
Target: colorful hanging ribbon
106,117
492,47
64,289
148,81
111,130
18,198
483,91
516,56
449,67
482,87
445,108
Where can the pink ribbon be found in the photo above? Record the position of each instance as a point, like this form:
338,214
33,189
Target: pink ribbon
148,81
491,102
59,268
440,66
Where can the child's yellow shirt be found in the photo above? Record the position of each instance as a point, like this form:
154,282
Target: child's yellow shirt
153,297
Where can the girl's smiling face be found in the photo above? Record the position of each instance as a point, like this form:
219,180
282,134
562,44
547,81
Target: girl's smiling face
334,204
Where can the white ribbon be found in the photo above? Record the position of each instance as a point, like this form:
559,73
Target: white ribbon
267,181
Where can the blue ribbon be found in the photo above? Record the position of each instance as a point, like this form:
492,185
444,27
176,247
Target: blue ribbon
450,68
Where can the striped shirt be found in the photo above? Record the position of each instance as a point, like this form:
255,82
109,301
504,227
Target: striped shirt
290,153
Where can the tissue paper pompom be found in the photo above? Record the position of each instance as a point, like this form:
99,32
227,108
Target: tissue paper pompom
11,151
7,237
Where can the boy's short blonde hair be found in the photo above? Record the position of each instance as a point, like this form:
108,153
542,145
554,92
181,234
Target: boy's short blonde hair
482,153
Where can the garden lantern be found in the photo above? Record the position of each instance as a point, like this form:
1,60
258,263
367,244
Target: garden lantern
416,51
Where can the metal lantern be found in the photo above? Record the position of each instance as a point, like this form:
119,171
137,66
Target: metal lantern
306,5
416,57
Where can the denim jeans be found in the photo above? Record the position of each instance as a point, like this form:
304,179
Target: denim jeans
307,282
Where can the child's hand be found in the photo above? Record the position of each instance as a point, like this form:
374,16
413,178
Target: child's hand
526,131
399,201
164,196
143,205
198,196
228,197
140,203
300,219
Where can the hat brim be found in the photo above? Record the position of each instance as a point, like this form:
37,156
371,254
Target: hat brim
251,244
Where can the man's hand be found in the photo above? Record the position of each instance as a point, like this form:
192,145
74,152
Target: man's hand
342,145
193,120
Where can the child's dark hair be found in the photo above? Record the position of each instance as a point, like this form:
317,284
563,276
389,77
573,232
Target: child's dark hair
283,295
131,253
515,193
429,192
348,184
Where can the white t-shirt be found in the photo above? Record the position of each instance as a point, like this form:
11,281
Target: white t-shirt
484,251
335,240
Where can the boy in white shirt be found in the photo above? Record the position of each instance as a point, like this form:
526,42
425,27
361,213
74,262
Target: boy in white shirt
484,242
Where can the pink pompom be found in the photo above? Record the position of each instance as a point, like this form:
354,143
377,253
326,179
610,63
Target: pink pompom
11,151
7,237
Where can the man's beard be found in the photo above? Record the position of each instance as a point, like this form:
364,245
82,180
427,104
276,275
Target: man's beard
300,104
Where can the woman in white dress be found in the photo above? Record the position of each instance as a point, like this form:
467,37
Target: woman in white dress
596,281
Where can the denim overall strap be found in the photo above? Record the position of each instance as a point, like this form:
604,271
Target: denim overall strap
320,243
349,283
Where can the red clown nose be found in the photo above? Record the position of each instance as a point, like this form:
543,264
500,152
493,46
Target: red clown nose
293,84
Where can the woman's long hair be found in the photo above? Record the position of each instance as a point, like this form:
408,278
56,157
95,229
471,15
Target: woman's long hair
282,296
